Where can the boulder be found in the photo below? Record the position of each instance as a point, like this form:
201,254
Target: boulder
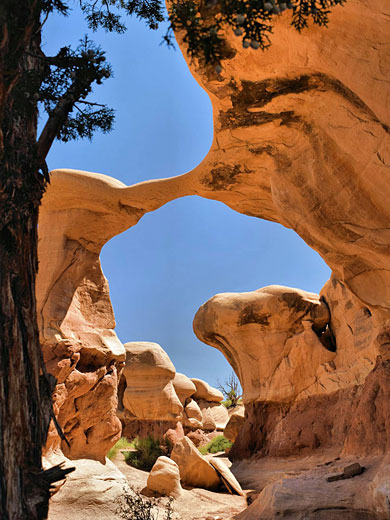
235,423
173,435
184,387
193,415
150,393
164,478
195,470
215,415
198,437
206,392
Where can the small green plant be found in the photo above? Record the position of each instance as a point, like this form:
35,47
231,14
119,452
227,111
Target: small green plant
227,403
134,506
231,389
219,443
122,444
148,450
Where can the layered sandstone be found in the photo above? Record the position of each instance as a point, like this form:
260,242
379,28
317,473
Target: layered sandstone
301,137
150,393
235,423
155,399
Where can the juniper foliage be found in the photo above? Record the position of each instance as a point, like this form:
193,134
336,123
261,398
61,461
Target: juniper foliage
62,83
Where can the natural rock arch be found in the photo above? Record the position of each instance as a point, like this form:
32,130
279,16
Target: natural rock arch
299,139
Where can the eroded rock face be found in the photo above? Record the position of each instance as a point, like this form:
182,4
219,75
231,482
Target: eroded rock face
150,393
272,339
313,371
154,399
194,416
80,212
236,421
93,490
301,137
205,392
214,415
184,387
302,140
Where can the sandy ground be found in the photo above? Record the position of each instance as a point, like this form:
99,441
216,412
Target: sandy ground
194,504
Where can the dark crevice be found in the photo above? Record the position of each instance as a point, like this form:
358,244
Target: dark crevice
325,334
121,390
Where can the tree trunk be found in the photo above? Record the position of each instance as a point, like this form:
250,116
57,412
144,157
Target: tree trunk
25,390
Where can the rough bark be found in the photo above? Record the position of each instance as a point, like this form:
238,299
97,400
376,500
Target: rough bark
25,390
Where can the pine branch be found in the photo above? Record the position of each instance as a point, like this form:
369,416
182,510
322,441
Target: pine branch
54,123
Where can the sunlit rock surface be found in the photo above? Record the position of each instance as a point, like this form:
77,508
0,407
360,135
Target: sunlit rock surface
150,393
301,137
164,478
236,421
272,339
154,399
93,491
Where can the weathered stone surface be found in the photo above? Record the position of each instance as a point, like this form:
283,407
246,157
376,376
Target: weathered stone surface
297,489
299,391
184,387
193,415
380,488
92,491
132,428
299,139
194,469
80,212
215,415
206,392
355,421
164,478
198,437
174,435
150,394
236,421
271,337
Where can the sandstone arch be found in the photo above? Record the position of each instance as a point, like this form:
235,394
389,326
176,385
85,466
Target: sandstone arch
301,138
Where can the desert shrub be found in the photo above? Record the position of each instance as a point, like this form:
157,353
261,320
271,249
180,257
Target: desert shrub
134,506
219,443
231,389
123,443
227,403
148,450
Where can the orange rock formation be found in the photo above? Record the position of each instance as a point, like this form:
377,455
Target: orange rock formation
302,137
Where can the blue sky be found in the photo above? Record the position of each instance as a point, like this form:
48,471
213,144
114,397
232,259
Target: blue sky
177,257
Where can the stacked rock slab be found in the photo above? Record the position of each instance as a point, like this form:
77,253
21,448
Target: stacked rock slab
154,399
214,414
194,469
149,398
